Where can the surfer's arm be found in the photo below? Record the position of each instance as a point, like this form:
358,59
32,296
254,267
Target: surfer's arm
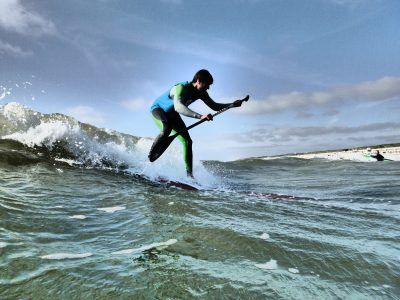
176,94
214,105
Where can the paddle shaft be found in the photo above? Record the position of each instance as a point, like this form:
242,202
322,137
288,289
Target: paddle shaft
203,120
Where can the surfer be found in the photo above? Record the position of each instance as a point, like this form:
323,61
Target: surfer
378,156
167,108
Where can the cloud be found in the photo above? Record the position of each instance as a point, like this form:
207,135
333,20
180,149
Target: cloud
276,141
17,18
96,51
86,114
146,32
6,48
136,104
135,29
350,3
284,134
304,115
172,2
371,91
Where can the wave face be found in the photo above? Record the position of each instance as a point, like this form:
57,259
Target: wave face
79,218
62,138
58,136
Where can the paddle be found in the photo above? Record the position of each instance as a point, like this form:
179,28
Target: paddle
157,152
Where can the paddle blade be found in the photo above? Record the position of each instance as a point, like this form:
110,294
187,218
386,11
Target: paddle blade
158,149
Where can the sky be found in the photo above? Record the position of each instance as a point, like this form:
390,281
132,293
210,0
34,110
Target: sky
321,74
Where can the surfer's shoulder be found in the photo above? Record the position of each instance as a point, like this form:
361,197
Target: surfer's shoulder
180,89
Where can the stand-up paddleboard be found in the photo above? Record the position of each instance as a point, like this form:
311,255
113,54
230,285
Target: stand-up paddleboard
367,157
177,184
163,182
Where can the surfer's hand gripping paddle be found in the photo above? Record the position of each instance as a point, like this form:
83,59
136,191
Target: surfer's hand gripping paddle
156,153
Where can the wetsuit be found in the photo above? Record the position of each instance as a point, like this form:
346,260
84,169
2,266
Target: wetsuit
378,157
165,112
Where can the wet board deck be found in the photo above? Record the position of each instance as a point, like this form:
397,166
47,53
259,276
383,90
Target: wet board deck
177,184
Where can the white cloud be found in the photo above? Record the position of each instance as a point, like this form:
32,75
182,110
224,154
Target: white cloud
371,91
173,2
278,140
6,48
282,134
350,3
197,44
16,17
135,104
86,114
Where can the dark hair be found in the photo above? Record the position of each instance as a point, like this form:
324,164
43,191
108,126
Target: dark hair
203,76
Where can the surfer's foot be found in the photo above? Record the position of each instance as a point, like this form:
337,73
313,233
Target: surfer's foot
190,175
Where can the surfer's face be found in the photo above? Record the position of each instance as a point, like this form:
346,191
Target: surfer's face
201,86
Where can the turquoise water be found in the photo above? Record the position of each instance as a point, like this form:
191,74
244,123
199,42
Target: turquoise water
80,217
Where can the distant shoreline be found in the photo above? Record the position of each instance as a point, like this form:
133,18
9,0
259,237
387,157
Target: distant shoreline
362,153
389,151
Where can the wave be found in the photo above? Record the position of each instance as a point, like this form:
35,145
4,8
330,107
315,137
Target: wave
28,136
62,137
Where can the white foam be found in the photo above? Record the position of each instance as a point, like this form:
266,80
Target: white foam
59,256
171,203
264,236
79,217
4,91
171,166
35,130
126,251
16,113
71,162
3,244
45,133
159,246
60,171
112,209
271,265
293,270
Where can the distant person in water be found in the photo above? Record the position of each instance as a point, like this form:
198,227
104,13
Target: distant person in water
167,108
378,156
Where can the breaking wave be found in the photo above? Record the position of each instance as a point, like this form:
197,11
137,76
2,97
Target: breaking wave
30,136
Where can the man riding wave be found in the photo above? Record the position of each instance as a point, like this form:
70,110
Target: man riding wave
167,108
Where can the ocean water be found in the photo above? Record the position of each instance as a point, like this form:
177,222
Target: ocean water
82,218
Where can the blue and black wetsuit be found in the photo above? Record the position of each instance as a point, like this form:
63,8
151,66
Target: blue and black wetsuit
165,112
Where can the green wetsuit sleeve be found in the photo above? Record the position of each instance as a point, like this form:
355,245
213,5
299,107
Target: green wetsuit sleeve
177,94
212,104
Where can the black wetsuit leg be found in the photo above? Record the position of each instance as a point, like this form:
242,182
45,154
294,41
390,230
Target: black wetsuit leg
172,121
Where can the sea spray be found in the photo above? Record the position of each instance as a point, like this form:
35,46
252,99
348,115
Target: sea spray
63,138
